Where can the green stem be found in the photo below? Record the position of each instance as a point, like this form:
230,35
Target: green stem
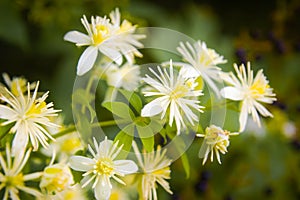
101,124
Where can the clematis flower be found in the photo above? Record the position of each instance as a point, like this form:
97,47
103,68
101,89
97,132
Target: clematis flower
31,116
215,140
202,61
12,179
174,94
251,91
102,167
108,36
127,76
56,178
155,170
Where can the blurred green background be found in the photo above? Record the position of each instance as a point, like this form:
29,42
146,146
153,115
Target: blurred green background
267,33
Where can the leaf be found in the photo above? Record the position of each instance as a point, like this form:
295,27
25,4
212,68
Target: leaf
133,99
147,137
120,109
125,137
186,165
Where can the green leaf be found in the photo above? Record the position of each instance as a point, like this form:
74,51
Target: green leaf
186,164
147,137
133,99
125,137
120,109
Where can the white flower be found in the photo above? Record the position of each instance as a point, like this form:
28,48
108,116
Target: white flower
56,178
155,170
111,38
102,167
74,192
31,117
16,85
202,61
174,94
127,76
12,178
215,140
64,146
251,91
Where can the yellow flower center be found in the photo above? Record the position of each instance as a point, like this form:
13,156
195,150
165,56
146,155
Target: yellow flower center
18,85
101,34
114,196
56,179
14,181
70,145
259,88
104,166
181,90
70,195
125,26
37,107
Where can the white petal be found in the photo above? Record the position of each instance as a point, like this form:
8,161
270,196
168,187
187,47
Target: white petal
80,163
125,166
87,60
102,192
152,108
19,143
77,37
105,147
6,112
243,116
111,53
189,72
232,93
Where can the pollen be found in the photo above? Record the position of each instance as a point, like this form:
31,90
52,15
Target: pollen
104,166
37,107
100,34
259,87
18,86
70,144
14,181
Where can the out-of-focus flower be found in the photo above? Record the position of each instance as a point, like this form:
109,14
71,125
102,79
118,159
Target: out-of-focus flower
127,76
16,85
102,167
155,170
251,91
56,178
202,61
12,179
174,94
65,146
110,37
215,140
31,116
74,192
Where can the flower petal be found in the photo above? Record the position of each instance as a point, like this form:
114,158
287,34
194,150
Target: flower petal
80,163
77,37
111,53
87,60
232,93
102,192
6,112
125,166
152,108
243,116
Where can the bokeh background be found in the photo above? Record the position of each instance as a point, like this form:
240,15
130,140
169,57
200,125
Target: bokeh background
261,163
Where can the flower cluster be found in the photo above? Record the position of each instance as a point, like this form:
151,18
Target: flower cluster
166,103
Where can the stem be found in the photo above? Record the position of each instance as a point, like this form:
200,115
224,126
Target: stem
101,124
